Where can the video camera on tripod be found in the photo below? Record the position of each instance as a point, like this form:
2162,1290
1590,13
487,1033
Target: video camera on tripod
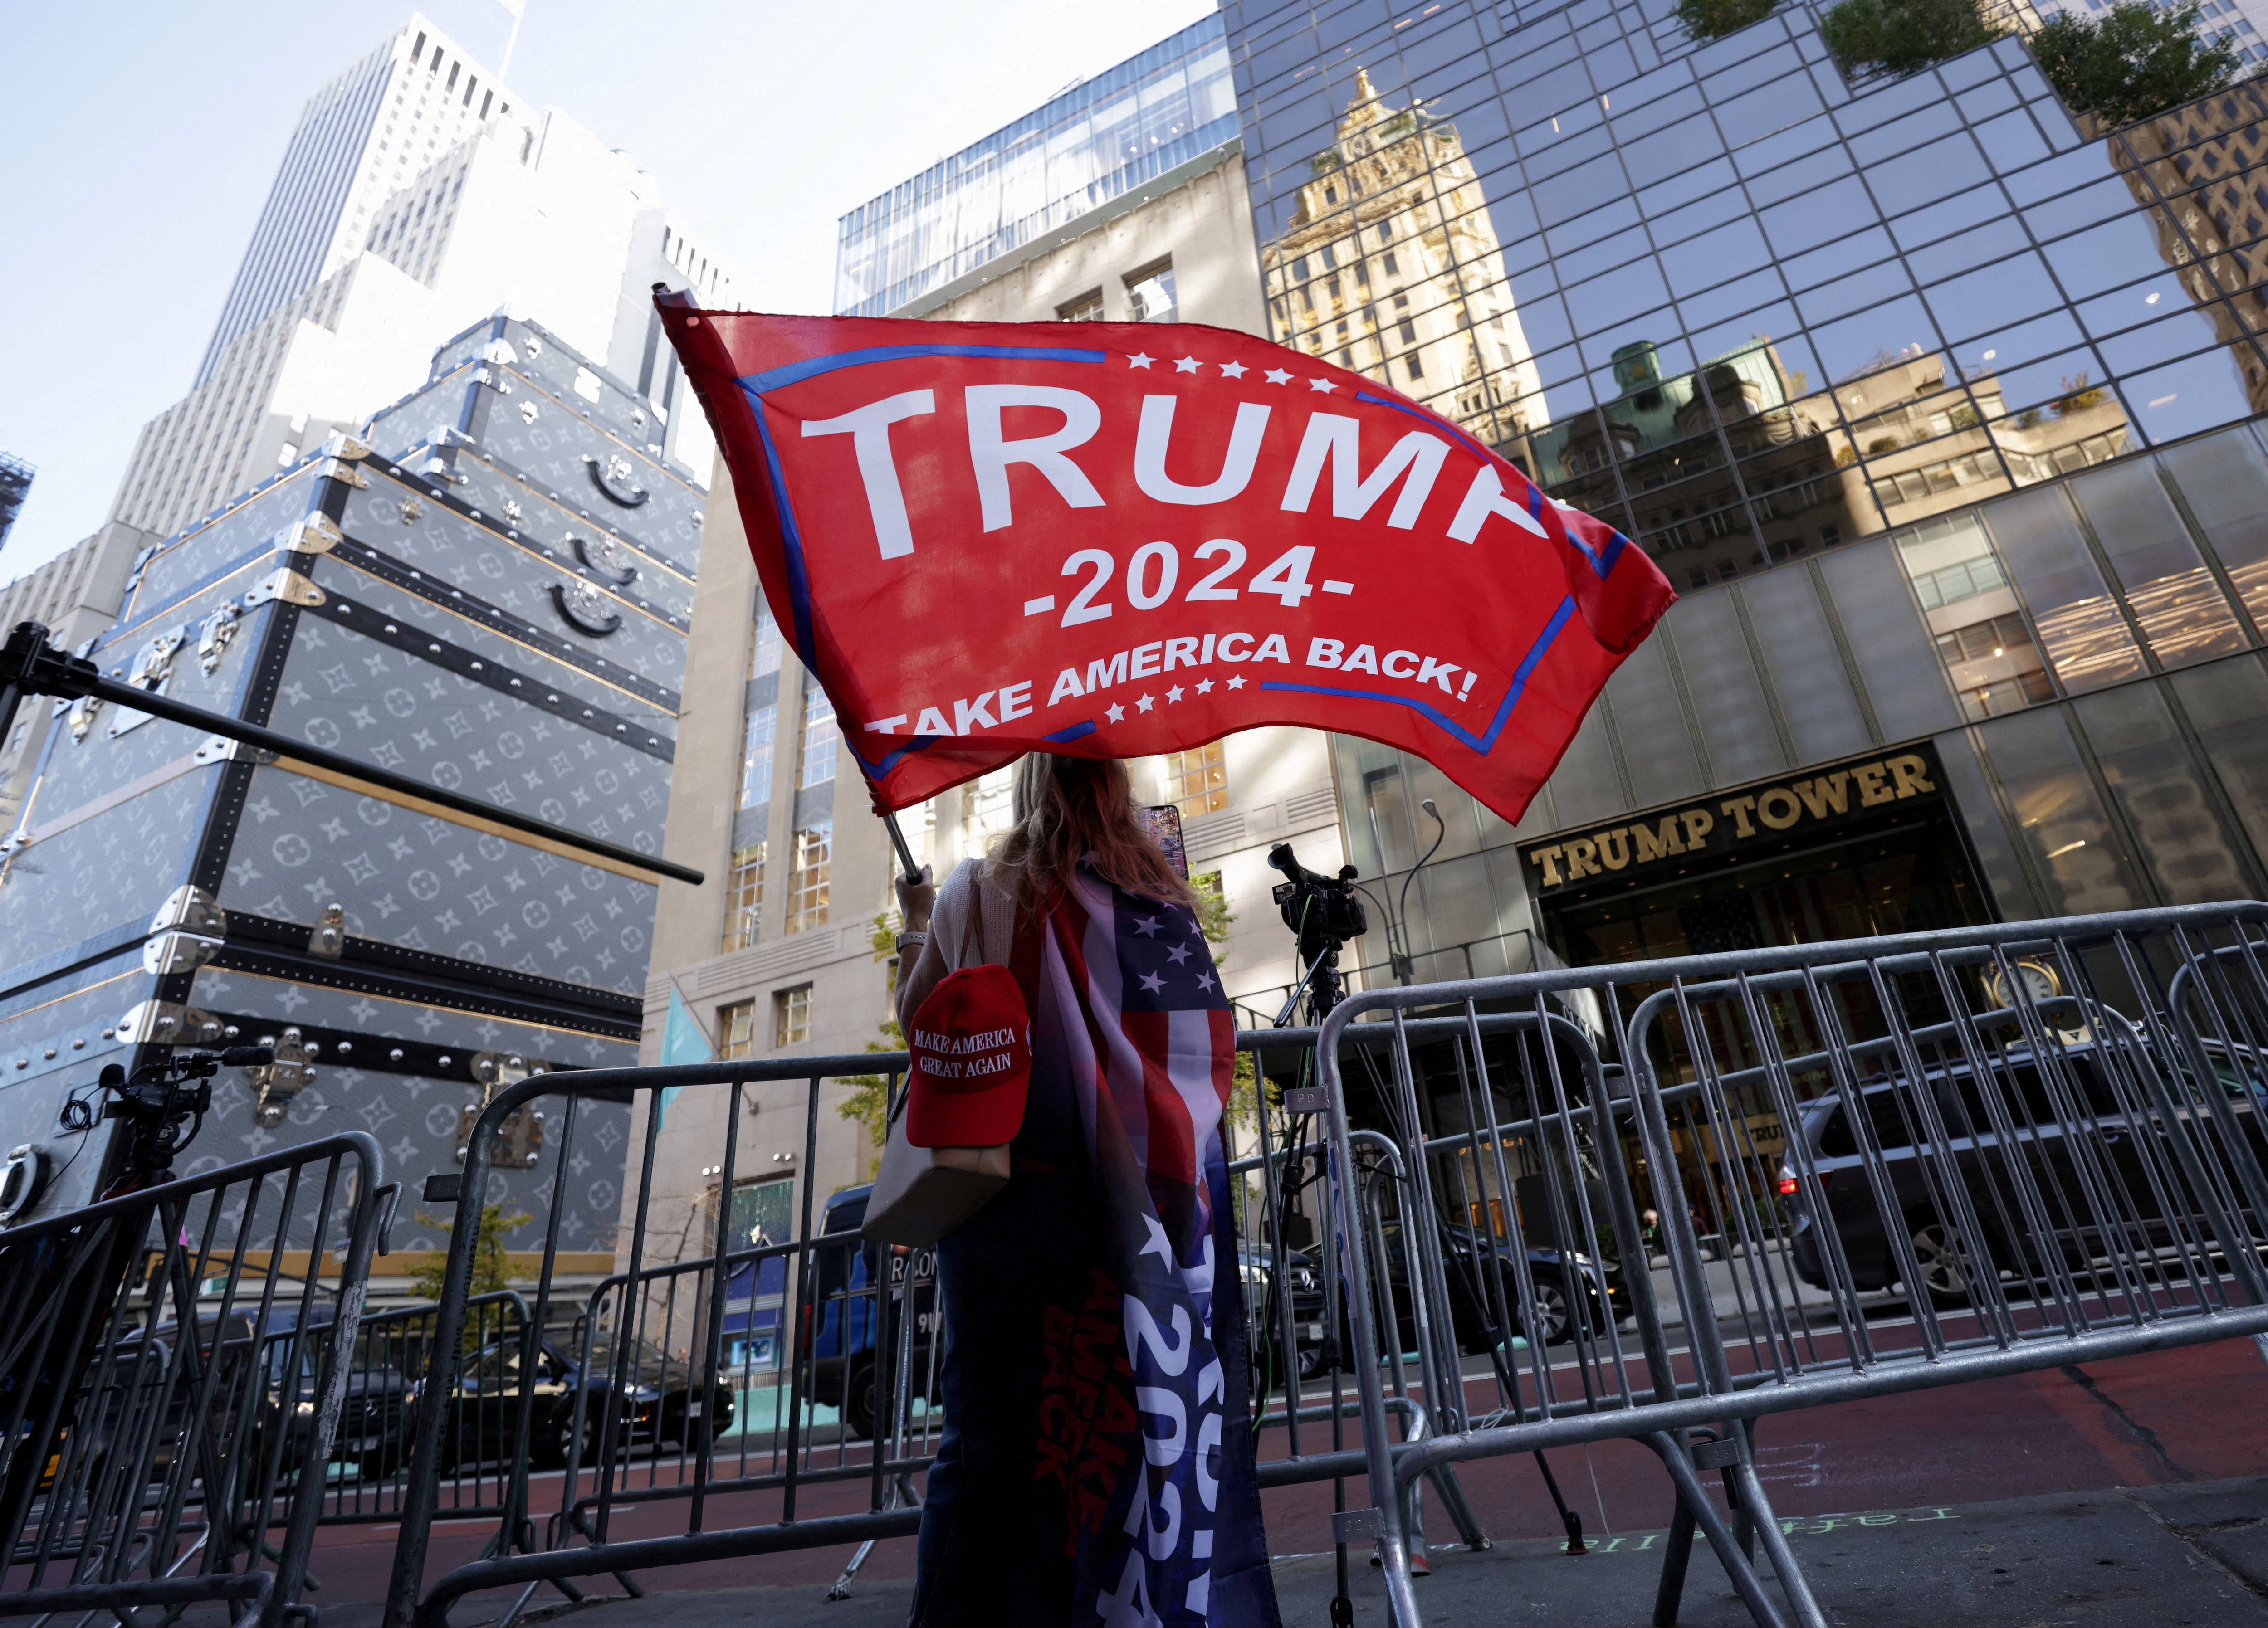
161,1109
1325,913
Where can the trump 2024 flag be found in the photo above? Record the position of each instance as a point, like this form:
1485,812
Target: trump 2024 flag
1111,539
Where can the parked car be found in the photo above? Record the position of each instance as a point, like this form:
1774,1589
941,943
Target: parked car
659,1404
2046,1128
370,1430
1572,1290
1256,1270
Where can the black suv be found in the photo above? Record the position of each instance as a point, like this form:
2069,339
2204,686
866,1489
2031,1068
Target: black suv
2049,1116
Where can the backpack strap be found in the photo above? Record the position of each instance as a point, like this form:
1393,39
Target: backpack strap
975,925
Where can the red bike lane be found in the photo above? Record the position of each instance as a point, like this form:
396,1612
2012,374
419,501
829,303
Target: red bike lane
2191,1414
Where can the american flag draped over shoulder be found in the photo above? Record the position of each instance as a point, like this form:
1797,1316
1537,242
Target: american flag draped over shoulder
1128,991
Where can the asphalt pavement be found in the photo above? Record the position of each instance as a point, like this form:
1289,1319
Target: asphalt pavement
2133,1490
2166,1556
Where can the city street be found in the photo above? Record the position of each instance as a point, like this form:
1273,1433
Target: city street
2168,1418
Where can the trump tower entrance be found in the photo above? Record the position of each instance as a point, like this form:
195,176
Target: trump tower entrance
1856,849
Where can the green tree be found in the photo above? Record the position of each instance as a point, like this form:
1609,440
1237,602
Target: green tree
2132,62
1881,38
868,1105
1713,19
491,1265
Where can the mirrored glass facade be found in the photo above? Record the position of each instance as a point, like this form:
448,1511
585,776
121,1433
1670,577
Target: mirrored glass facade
1098,141
1718,297
1913,389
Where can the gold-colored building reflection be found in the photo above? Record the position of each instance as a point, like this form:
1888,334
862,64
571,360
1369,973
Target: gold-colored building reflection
2200,173
1902,439
1391,266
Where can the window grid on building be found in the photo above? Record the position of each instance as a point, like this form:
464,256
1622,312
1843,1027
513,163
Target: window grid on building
808,878
744,896
756,755
764,647
736,1030
1764,333
1196,781
1099,140
821,737
792,1016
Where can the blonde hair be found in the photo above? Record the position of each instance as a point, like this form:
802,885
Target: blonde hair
1069,808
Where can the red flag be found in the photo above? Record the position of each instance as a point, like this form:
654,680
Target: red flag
1117,538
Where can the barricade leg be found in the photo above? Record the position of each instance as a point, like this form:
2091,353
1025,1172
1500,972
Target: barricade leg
1693,1503
1676,1554
1761,1518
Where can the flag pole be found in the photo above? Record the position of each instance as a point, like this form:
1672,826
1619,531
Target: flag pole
905,853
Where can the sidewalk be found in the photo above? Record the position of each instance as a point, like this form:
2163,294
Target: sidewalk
2168,1556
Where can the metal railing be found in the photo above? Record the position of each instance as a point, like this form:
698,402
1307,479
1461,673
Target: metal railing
743,1388
174,1366
2033,1144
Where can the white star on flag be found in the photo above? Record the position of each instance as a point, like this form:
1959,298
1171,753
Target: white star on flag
1146,926
1187,364
1115,713
1178,954
1174,694
1323,385
1152,981
1232,370
1205,688
1138,360
1142,703
1237,683
1159,1245
1204,982
1278,376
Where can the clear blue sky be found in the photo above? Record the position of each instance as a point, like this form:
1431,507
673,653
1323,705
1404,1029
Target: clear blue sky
140,140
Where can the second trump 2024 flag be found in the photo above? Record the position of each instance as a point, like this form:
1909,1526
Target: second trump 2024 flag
1115,538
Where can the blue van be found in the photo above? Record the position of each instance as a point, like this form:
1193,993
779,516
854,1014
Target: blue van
842,1318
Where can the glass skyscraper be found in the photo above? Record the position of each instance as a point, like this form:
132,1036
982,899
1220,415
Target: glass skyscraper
1918,390
1099,141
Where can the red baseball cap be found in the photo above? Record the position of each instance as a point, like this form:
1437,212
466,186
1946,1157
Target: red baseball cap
972,1061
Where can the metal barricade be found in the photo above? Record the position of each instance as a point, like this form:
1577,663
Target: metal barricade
743,1381
1864,1168
173,1367
738,1382
482,1471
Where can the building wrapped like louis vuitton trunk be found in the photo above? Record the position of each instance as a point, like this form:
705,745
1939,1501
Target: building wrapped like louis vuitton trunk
490,592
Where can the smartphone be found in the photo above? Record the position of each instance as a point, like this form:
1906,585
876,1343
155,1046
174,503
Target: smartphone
1164,825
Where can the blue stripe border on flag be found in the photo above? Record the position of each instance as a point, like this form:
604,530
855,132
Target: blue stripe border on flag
1481,744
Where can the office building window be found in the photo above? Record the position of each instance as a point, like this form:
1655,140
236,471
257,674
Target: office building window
736,1030
985,813
1087,308
756,756
806,878
1196,781
820,736
744,896
1151,292
762,1212
764,653
792,1016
